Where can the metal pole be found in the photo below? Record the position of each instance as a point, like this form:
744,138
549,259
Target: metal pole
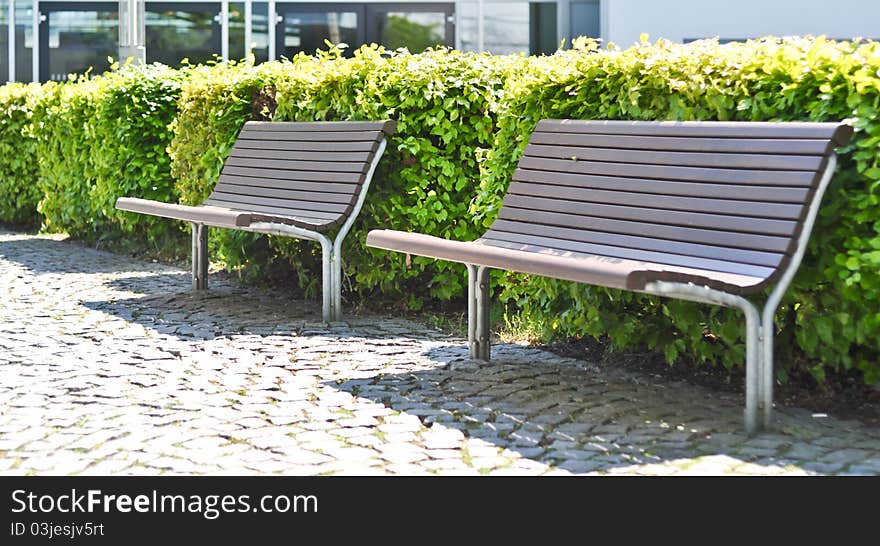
35,41
481,37
481,289
132,30
272,21
224,30
248,27
195,255
11,30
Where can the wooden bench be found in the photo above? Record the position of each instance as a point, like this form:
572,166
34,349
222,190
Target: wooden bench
702,211
297,179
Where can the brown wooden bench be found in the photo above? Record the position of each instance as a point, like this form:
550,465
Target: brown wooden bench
297,179
702,211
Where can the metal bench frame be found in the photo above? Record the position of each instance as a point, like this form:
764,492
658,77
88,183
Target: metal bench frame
331,248
759,323
489,251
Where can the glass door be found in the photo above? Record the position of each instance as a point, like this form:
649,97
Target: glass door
305,27
76,37
181,30
413,26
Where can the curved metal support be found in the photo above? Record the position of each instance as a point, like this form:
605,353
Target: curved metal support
331,250
271,228
759,328
343,231
772,303
704,294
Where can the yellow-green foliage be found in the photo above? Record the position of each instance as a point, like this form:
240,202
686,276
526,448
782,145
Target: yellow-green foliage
102,138
831,314
18,192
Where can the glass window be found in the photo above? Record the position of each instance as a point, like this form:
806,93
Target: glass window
24,45
466,26
416,31
506,27
542,28
236,30
260,31
307,30
4,40
74,41
585,19
177,31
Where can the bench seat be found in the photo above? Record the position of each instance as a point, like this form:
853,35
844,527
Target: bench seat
550,261
232,217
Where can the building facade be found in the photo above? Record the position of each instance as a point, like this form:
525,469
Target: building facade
47,40
622,21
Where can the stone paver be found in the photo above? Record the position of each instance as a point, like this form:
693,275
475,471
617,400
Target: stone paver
112,365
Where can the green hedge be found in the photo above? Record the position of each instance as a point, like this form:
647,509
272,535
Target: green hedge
445,103
830,316
105,137
19,193
463,120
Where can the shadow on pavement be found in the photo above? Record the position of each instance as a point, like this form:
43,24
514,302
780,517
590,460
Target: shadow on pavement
567,414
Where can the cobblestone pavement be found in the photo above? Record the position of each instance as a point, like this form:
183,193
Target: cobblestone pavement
113,366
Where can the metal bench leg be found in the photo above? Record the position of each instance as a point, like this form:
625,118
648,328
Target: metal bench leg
767,375
478,312
327,278
336,276
754,369
199,256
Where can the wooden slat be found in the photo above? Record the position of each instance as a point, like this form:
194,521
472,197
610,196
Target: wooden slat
782,211
503,228
730,129
328,136
306,176
667,172
386,126
326,187
665,258
726,223
685,159
328,154
294,165
666,187
768,243
284,194
248,200
262,144
316,216
684,144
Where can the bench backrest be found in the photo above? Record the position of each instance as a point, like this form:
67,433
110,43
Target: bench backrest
723,196
310,170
